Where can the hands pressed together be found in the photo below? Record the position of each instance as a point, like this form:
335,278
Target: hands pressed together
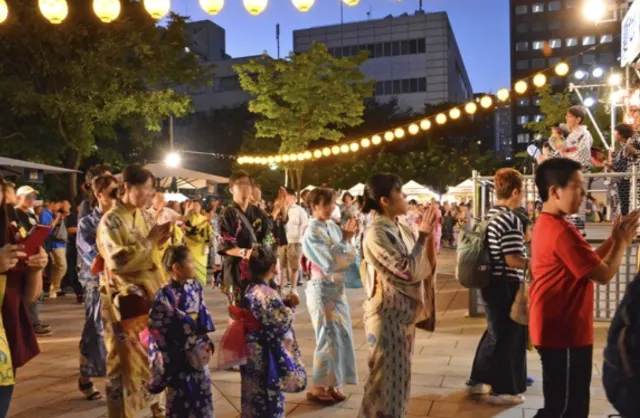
625,229
10,255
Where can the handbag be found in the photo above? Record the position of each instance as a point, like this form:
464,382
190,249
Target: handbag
520,307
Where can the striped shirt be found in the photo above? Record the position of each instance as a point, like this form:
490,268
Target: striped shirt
505,235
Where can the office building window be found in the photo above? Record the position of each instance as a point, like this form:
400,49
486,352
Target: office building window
539,27
397,86
522,27
606,38
554,25
388,87
537,8
404,86
523,119
387,49
522,64
538,118
523,138
522,46
422,84
379,88
571,42
554,60
524,101
606,58
536,100
229,83
554,5
555,81
537,45
588,59
538,63
522,9
588,40
422,46
379,50
555,43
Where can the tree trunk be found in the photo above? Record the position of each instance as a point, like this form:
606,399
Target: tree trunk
72,160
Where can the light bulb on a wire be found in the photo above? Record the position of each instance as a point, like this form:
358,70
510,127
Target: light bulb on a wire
589,101
597,72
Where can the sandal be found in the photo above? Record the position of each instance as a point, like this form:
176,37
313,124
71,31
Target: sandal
89,391
337,395
325,399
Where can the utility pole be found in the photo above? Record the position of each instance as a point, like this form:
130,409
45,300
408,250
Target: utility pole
171,133
278,38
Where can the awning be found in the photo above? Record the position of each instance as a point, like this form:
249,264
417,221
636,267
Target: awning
11,167
413,188
185,175
357,190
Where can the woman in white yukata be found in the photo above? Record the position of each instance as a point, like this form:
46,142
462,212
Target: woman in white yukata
330,254
399,281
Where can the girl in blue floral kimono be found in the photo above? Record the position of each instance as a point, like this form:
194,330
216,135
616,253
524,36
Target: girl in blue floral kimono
274,363
330,254
179,348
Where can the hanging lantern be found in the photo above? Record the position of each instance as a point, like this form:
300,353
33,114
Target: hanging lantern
249,160
326,152
354,147
240,160
307,155
441,119
388,136
157,8
301,156
344,149
539,80
4,11
278,159
351,3
106,10
213,7
399,133
293,157
335,150
425,124
414,129
365,142
503,95
486,102
376,140
317,153
562,69
471,108
270,159
521,87
255,7
454,113
55,11
303,5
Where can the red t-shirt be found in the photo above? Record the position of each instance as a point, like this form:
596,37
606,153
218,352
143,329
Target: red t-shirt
561,295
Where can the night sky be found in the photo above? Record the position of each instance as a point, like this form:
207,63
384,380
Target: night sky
481,28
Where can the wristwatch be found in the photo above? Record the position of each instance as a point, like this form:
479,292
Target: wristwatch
243,252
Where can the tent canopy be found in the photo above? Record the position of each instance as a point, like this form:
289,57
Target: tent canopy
11,167
309,187
178,197
413,188
190,176
357,190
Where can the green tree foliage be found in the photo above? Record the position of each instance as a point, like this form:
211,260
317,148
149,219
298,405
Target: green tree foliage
83,88
304,98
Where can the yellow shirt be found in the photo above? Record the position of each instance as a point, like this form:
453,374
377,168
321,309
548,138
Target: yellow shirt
6,366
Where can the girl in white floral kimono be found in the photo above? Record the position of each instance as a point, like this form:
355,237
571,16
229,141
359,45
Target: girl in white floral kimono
400,272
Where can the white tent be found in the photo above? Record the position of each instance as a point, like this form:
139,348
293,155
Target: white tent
357,190
10,167
415,190
177,197
309,187
186,179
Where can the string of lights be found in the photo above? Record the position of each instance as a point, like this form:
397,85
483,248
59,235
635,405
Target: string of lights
503,95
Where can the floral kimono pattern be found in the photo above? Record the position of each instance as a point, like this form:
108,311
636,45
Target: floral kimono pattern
398,273
330,258
274,363
132,270
178,322
93,352
198,236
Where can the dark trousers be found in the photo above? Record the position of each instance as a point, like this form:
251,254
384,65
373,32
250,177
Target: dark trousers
622,391
624,186
500,359
6,393
566,378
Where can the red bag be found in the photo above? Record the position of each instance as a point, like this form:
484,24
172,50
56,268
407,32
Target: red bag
144,337
232,350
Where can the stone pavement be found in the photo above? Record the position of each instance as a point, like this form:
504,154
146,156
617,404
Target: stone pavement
47,386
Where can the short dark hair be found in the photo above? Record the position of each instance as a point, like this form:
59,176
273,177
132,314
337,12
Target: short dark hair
625,130
555,172
237,176
347,194
413,202
262,259
136,175
578,112
379,186
546,145
290,191
95,171
174,255
506,180
321,196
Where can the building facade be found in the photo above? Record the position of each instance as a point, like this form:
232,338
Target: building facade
412,57
546,32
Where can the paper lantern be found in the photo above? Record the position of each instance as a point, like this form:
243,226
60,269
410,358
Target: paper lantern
376,140
503,95
326,152
486,102
344,149
441,119
470,108
521,87
399,133
213,7
157,8
303,5
388,136
365,142
539,80
454,113
255,7
354,146
317,153
562,69
55,11
425,124
4,11
414,129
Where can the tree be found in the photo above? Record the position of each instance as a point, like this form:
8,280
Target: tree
68,89
304,98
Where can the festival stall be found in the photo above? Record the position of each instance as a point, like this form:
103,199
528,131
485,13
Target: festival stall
357,190
417,191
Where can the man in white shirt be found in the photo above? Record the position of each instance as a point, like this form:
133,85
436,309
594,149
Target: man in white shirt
296,221
160,212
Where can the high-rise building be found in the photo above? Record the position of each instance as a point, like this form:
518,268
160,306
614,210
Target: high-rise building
412,57
546,32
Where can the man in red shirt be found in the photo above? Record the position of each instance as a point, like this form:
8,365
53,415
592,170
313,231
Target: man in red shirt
564,267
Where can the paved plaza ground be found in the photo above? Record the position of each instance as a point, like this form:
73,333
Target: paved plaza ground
47,386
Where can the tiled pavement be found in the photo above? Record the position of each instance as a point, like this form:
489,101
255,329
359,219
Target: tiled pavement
47,386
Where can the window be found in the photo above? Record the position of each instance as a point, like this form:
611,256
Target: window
537,45
346,51
539,27
229,83
536,100
606,57
555,43
338,52
413,85
606,38
522,27
413,46
379,88
537,8
422,84
554,25
395,48
523,138
522,9
388,87
524,102
354,50
387,49
555,81
404,47
554,60
405,85
522,46
397,88
554,6
588,40
378,50
523,119
538,63
571,42
522,64
588,59
538,118
422,46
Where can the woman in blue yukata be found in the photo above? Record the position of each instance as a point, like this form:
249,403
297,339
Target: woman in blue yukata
330,254
93,352
274,364
179,348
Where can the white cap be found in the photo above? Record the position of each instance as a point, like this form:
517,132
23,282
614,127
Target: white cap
26,191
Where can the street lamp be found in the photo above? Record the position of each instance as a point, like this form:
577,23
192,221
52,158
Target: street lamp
173,160
594,10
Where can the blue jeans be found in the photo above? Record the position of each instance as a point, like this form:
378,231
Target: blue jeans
34,312
6,393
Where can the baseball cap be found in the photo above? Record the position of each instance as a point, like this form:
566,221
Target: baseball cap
25,191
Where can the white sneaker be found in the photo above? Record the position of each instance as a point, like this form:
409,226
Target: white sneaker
505,399
478,388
